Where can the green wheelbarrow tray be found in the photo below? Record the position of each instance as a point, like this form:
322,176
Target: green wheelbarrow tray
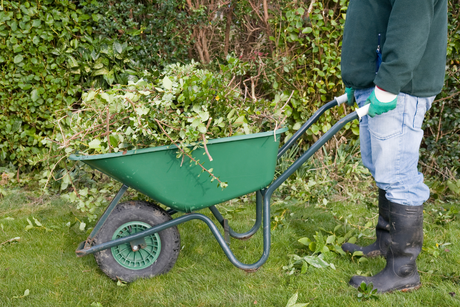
246,162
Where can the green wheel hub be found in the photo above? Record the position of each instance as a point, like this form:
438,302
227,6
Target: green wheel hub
142,258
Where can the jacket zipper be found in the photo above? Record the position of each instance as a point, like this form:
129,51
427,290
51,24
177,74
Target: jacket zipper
379,55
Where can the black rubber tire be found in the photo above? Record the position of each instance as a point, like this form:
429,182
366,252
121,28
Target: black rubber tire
145,212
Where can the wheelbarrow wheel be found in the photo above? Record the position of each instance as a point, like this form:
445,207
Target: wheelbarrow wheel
155,255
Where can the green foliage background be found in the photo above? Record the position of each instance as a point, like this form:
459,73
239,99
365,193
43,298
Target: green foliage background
53,50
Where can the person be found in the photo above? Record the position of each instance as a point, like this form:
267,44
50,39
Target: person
393,58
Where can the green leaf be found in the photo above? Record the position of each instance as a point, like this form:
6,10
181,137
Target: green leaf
96,144
454,186
355,130
72,62
305,241
315,129
34,95
297,126
304,267
292,300
230,115
316,262
117,47
239,120
204,115
37,222
330,239
99,72
167,84
18,59
106,97
201,128
142,111
113,140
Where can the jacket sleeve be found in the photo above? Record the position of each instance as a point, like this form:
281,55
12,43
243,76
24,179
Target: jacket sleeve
407,34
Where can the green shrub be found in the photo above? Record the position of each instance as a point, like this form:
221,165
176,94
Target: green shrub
157,32
34,76
441,149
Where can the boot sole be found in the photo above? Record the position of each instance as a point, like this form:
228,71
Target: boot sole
410,289
373,254
403,289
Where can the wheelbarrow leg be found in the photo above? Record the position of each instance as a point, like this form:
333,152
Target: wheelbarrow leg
87,244
253,230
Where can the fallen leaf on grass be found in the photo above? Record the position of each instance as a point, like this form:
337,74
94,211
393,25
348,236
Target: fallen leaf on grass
11,241
26,293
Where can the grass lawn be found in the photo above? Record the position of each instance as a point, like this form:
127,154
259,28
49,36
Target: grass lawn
44,261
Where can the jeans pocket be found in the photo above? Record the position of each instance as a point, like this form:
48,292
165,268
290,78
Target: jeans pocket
423,105
389,124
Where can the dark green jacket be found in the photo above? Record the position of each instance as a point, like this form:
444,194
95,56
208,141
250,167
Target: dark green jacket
413,45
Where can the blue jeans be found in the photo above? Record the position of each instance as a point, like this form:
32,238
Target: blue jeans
390,145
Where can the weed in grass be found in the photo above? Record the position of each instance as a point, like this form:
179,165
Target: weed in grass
293,301
26,293
10,241
367,292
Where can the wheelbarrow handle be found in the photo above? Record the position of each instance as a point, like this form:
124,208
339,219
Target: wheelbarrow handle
341,99
337,101
363,111
358,114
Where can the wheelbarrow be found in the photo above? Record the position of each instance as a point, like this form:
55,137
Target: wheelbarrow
139,239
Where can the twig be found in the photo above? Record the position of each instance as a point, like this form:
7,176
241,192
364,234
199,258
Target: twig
448,97
188,155
108,131
169,125
209,122
206,147
134,109
433,168
71,181
11,241
439,125
282,121
288,100
93,129
52,170
231,81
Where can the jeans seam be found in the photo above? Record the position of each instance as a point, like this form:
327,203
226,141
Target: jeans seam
415,115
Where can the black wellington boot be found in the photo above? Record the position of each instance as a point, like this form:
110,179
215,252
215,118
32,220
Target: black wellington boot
406,233
382,230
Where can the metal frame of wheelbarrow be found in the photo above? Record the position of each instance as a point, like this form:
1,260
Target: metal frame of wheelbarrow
262,200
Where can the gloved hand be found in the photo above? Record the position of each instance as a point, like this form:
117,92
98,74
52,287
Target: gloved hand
381,102
350,96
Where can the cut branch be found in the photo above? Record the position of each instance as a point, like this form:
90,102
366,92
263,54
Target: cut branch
185,153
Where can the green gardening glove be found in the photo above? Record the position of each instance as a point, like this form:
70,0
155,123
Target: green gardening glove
350,96
381,102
